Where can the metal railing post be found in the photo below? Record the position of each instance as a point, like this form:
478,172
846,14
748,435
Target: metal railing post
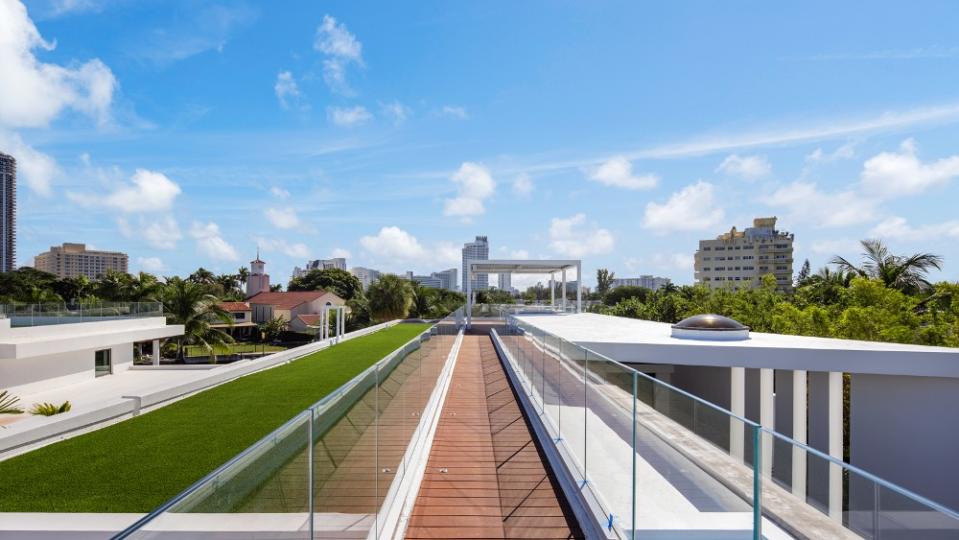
757,484
309,470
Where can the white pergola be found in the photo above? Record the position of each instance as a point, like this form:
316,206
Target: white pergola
513,266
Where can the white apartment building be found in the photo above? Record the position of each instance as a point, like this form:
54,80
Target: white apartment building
74,260
320,264
478,250
653,283
738,259
365,275
505,282
447,279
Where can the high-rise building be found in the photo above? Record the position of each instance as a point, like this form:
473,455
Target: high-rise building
477,250
738,259
505,282
74,260
365,275
8,213
429,282
320,264
447,279
653,283
258,281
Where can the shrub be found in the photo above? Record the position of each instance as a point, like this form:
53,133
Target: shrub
8,404
49,409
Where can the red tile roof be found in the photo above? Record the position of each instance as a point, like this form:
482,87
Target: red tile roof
235,306
285,300
309,319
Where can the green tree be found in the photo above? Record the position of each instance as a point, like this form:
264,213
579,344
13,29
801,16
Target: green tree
243,274
272,329
619,294
342,283
604,281
906,273
390,298
202,276
189,303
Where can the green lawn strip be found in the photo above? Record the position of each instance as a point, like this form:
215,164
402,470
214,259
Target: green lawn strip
196,350
138,464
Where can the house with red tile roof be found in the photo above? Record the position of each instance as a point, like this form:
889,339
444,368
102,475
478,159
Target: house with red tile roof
301,309
242,314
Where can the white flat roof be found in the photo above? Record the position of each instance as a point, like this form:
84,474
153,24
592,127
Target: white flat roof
520,266
640,341
30,341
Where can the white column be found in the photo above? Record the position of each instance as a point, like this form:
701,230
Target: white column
552,290
737,404
835,444
579,287
799,433
767,418
342,319
469,295
156,352
563,274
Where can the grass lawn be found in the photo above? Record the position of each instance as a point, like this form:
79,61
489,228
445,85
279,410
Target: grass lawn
232,348
138,464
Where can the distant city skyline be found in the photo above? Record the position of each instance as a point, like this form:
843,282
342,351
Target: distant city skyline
186,134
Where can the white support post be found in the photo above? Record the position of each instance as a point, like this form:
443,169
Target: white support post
563,274
469,295
552,289
737,404
799,434
579,287
156,352
767,418
835,444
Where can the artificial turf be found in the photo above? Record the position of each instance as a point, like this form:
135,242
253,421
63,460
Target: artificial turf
137,464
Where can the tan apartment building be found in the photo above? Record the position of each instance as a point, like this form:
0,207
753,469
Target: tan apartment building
74,260
737,259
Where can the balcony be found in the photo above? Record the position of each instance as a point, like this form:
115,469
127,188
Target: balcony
22,315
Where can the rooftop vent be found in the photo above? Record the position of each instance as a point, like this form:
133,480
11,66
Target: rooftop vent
710,327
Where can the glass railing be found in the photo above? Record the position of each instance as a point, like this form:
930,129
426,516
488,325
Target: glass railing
658,461
45,314
332,471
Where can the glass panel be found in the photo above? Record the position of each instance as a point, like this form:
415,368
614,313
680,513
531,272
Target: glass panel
102,363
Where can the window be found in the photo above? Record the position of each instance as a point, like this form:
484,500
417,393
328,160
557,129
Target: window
720,248
101,363
238,315
782,246
706,269
707,248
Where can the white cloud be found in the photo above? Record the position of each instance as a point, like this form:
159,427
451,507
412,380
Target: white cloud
574,238
660,261
341,48
807,204
33,93
295,250
897,228
843,151
210,242
690,209
161,233
453,111
152,265
340,252
201,30
893,174
617,171
282,218
523,185
519,254
745,167
397,248
36,169
287,91
147,191
474,185
348,116
394,243
396,111
279,192
833,246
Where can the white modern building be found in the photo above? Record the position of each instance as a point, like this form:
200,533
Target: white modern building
477,250
42,350
338,263
653,283
504,282
365,275
737,259
447,279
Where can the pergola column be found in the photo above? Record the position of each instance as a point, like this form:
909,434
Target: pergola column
579,287
767,418
563,275
469,295
552,289
737,404
835,444
799,434
156,352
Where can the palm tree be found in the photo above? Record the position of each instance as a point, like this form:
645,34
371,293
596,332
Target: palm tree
390,298
903,273
144,287
202,276
243,274
188,303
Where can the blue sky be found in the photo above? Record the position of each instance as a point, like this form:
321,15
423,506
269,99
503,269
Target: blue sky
188,133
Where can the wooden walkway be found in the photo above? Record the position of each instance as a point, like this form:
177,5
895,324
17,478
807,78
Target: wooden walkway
485,477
